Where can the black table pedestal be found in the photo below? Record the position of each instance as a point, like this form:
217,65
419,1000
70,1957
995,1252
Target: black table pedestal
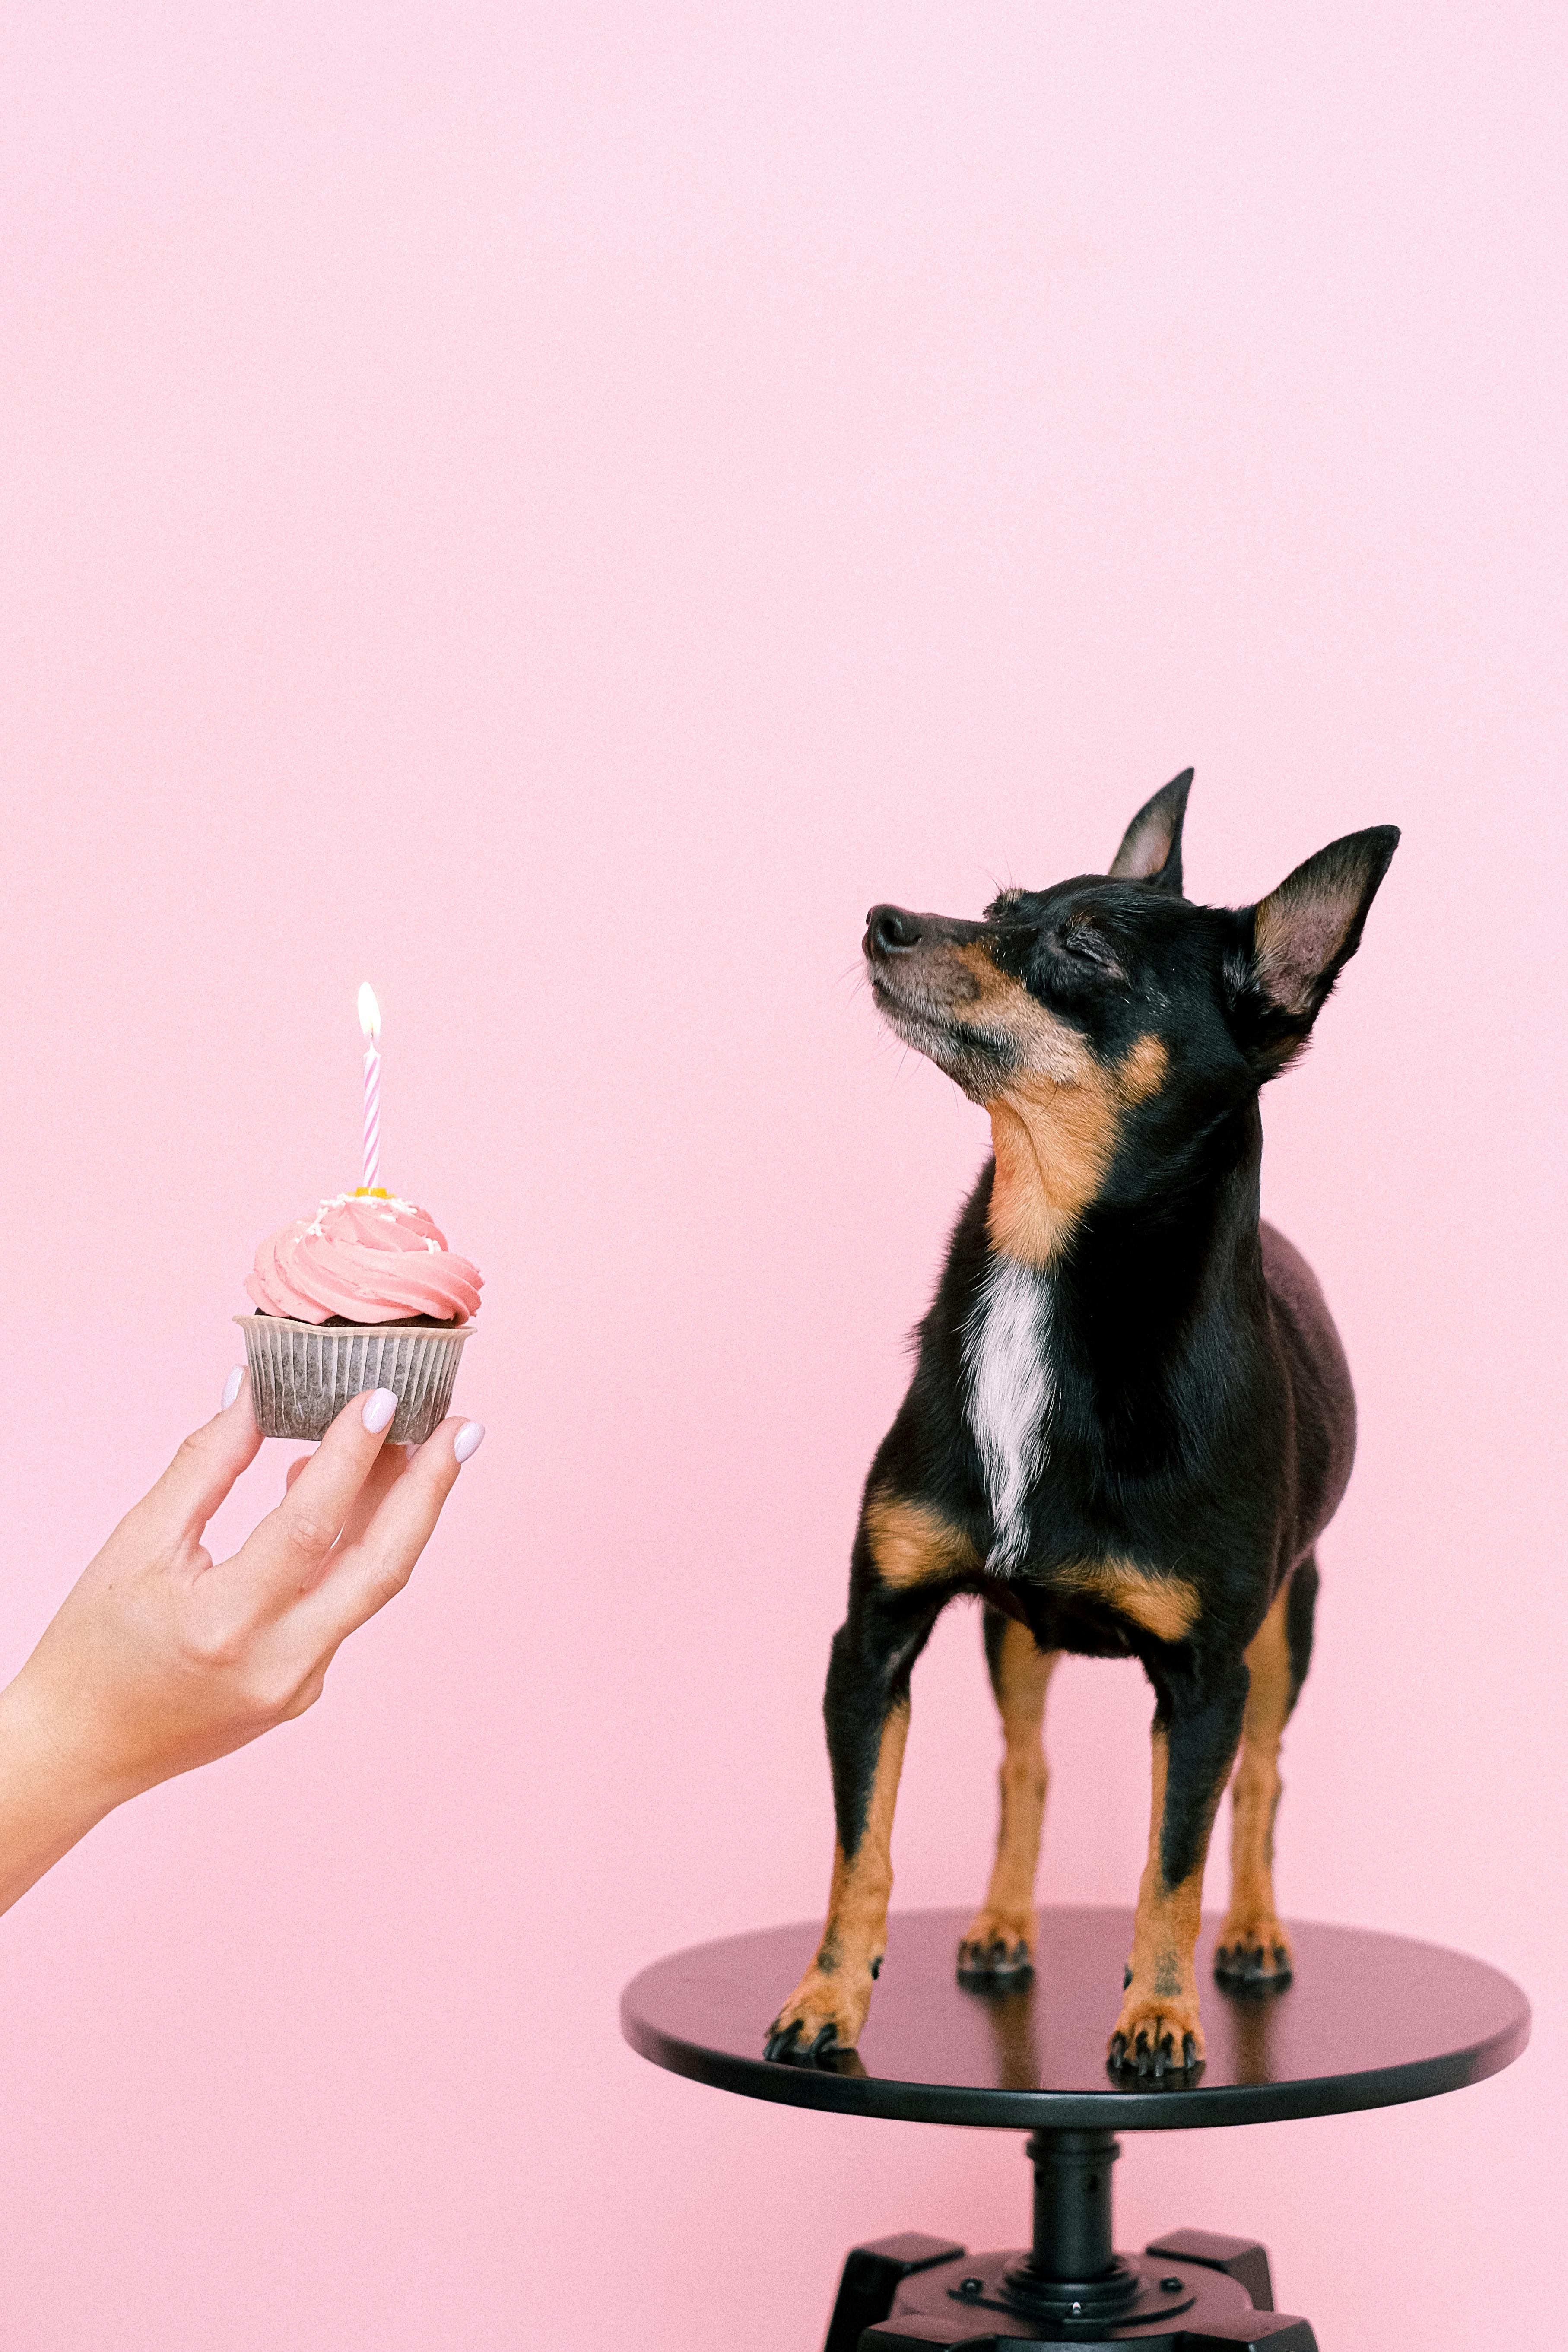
1188,2292
1368,2021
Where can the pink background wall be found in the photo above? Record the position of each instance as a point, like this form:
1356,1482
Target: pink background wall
556,510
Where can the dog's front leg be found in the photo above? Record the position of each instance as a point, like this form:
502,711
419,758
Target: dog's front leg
867,1708
1198,1727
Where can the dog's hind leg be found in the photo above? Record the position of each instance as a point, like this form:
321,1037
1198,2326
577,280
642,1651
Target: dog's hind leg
1254,1948
1198,1723
999,1942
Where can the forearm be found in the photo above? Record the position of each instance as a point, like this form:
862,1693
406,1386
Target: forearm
47,1801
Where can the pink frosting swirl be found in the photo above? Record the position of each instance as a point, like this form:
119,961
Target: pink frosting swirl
367,1260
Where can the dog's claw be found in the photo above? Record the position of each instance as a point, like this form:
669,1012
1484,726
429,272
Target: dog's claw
1153,2057
785,2048
994,1958
1257,1959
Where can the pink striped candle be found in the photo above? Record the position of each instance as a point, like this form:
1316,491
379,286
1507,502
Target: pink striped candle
370,1025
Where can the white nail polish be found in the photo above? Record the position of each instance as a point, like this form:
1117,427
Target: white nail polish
379,1409
232,1387
468,1440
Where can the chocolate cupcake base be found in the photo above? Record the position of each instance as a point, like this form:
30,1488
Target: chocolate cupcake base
302,1374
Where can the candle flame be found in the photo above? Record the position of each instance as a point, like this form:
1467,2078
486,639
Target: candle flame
369,1013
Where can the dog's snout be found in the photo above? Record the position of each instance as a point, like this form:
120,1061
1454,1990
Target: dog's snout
890,932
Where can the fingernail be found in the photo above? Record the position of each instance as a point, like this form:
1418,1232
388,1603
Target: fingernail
232,1387
379,1409
468,1440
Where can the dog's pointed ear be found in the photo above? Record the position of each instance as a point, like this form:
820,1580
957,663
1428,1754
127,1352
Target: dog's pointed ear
1299,938
1151,847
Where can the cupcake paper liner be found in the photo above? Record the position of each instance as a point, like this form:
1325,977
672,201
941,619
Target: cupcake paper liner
302,1374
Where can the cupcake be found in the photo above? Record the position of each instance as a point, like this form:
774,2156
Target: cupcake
363,1295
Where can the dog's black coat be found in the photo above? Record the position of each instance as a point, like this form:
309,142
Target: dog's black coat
1206,1424
1200,1419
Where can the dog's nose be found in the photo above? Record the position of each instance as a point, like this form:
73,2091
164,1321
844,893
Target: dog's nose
890,932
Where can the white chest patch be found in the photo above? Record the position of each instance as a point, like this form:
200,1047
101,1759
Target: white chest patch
1010,1397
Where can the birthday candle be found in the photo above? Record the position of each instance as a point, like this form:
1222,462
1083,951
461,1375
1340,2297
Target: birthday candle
370,1025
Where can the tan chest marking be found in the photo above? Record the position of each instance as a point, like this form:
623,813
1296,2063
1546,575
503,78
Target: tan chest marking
1055,1123
912,1543
1165,1606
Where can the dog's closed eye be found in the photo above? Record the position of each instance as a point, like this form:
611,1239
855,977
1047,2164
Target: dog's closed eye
1089,946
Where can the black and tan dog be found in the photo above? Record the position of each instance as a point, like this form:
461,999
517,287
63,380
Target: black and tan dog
1131,1416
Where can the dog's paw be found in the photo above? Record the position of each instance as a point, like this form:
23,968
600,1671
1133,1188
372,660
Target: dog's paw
997,1948
1252,1949
823,2016
1157,2034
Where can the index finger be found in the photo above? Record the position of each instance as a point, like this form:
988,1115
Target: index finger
207,1466
283,1556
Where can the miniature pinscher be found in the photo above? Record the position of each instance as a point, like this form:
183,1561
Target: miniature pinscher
1131,1416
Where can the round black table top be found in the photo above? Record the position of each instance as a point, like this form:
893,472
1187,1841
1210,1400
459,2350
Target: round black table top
1368,2021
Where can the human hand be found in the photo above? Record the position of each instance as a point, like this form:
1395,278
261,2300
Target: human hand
159,1659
